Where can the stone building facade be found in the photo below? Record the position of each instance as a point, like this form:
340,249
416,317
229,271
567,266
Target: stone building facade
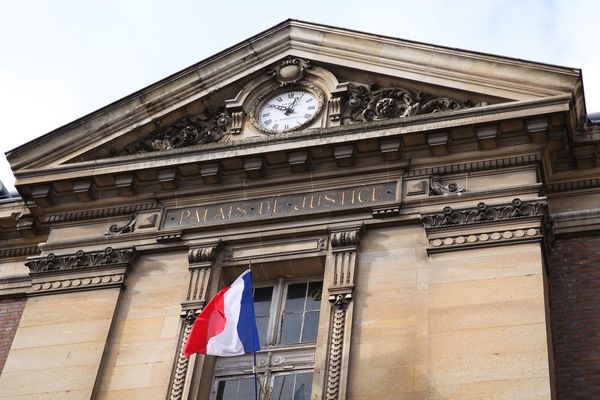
421,223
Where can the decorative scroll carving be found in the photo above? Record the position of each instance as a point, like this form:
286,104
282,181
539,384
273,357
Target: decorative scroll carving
484,213
436,188
116,229
375,103
289,70
211,126
80,271
82,260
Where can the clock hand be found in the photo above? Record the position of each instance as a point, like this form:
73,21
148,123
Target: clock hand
290,108
282,108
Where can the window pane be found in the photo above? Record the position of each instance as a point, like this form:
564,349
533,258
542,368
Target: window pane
246,390
236,389
227,390
315,290
262,323
262,301
311,324
295,298
303,386
290,328
283,387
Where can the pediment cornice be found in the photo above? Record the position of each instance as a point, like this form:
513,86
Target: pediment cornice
434,65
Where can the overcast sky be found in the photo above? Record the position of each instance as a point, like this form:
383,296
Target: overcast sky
60,60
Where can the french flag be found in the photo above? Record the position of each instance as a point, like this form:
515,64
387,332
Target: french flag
226,326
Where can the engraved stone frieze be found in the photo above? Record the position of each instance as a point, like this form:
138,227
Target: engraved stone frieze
281,206
484,213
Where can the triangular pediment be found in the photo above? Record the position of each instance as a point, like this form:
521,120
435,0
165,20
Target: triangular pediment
357,78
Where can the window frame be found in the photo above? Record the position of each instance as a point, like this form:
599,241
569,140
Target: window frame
273,359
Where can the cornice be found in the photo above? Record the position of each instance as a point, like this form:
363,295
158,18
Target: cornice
576,222
101,212
477,165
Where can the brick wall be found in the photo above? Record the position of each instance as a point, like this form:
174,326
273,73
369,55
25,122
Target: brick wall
575,315
10,314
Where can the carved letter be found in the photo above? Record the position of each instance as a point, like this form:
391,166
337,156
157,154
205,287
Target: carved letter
185,214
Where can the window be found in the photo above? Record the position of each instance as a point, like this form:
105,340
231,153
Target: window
287,316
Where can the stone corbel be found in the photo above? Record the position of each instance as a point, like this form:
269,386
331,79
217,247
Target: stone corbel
201,262
84,270
341,268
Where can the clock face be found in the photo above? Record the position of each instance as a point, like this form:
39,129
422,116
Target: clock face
288,111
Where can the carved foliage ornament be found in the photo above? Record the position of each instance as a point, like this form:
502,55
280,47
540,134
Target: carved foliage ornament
374,103
209,127
484,213
81,259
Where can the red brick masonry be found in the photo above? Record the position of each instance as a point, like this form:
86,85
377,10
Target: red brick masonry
10,314
575,314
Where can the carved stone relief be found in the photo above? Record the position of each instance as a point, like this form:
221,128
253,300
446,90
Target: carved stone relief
81,260
437,188
370,103
80,271
484,213
209,127
116,229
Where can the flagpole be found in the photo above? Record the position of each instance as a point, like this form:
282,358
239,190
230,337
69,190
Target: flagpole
254,353
255,379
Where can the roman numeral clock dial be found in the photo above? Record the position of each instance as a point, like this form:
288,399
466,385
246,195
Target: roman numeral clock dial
288,111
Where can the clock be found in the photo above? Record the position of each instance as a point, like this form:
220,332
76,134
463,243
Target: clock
287,110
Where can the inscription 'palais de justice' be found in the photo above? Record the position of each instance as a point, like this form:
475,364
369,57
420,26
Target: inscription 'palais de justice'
280,206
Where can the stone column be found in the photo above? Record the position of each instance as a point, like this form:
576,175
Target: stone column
344,247
201,262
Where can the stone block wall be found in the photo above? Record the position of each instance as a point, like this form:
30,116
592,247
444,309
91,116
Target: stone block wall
575,313
10,315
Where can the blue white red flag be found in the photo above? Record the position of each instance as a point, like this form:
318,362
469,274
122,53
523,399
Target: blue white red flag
226,326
